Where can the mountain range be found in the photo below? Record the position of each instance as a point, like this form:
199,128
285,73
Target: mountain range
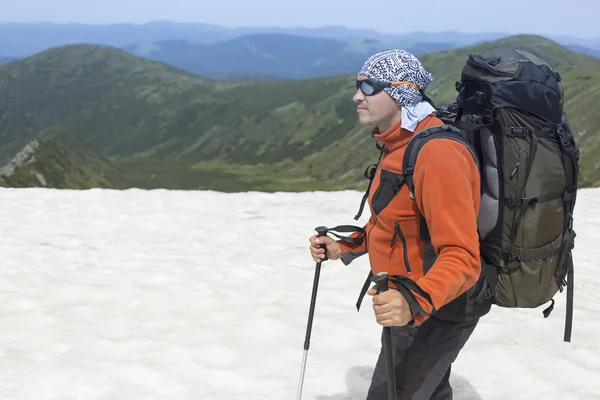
268,53
164,127
20,39
270,56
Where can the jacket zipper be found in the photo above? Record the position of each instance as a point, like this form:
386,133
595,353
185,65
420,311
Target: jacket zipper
398,232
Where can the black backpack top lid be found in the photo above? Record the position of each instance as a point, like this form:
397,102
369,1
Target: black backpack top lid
512,77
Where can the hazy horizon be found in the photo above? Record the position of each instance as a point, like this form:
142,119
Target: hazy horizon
560,17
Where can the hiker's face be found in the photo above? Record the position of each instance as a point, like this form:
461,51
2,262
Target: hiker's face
378,110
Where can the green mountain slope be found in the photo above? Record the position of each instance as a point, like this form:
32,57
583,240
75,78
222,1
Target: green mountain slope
57,159
170,128
119,102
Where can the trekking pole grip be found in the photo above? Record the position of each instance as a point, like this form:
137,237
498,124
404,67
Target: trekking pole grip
322,231
381,280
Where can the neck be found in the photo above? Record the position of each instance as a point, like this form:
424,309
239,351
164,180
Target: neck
387,125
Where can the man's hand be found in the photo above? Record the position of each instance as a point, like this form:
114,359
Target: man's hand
333,248
391,308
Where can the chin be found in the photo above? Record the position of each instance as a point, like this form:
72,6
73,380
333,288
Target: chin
367,123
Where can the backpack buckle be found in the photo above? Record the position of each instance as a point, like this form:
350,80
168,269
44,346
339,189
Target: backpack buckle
514,201
488,117
488,294
459,85
370,171
516,131
511,260
570,222
568,196
479,97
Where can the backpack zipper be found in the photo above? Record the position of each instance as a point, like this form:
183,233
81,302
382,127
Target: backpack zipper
514,172
398,232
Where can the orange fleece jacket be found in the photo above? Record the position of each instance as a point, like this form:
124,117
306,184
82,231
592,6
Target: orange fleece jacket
447,193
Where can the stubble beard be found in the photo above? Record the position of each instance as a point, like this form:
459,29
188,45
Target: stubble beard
367,121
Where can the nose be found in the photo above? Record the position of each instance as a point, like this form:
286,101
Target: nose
358,96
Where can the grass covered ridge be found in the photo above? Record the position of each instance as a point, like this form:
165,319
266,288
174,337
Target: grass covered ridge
165,127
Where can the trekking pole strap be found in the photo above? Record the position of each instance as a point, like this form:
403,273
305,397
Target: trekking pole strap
348,228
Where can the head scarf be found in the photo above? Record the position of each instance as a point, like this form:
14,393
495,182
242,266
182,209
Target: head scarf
399,65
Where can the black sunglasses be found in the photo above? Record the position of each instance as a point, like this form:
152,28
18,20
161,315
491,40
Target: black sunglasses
370,87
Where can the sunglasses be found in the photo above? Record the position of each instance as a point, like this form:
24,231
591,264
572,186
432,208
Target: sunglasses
370,87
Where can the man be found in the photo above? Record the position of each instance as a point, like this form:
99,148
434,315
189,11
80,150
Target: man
447,192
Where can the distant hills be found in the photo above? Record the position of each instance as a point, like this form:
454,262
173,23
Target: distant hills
272,56
166,127
586,50
246,54
281,56
24,39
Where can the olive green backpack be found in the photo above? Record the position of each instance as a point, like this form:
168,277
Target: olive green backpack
509,113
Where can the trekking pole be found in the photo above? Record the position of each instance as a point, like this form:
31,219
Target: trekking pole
322,231
381,280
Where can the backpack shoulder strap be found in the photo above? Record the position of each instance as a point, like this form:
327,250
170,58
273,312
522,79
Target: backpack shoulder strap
478,301
420,139
370,174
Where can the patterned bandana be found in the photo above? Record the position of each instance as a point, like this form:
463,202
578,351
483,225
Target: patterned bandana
400,65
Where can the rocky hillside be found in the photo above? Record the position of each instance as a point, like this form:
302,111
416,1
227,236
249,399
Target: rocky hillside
57,159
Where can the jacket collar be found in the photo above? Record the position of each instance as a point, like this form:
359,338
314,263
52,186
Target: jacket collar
397,137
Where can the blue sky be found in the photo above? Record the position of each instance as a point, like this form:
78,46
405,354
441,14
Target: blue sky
554,17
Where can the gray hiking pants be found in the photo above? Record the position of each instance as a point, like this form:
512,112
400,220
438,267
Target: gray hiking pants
422,358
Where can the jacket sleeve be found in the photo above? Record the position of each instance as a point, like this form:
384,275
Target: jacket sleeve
351,251
447,191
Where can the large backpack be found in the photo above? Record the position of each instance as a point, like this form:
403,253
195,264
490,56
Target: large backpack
509,113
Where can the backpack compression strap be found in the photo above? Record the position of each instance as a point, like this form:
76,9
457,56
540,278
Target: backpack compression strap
570,157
